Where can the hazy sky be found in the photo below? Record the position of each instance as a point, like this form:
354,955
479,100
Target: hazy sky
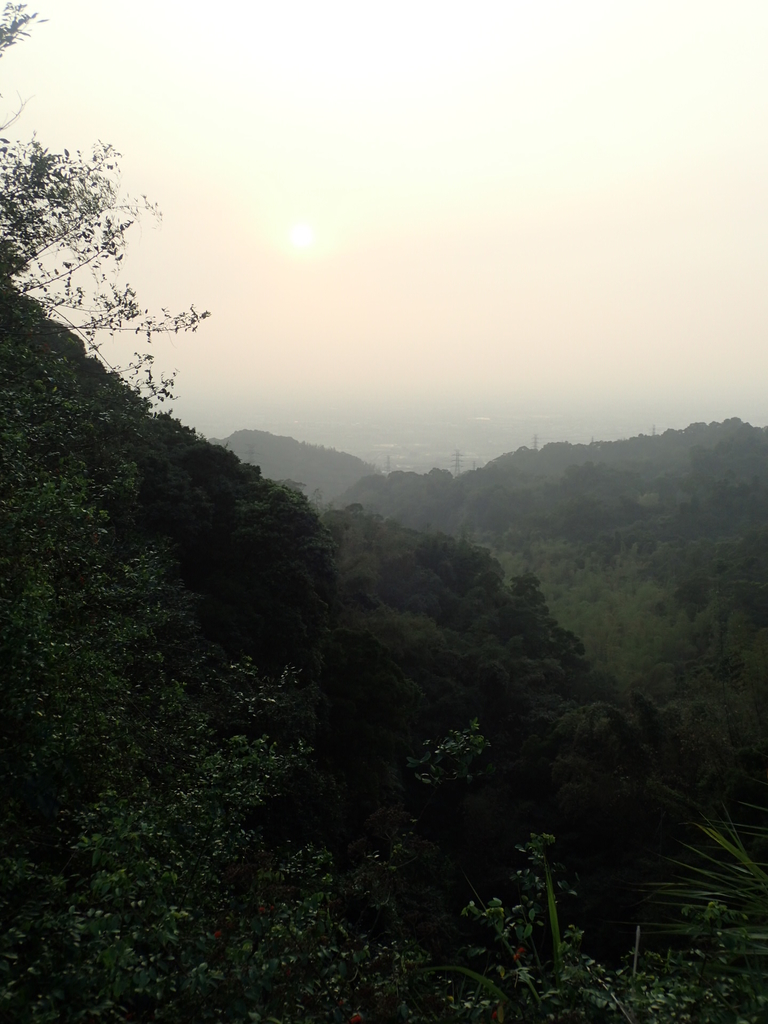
517,202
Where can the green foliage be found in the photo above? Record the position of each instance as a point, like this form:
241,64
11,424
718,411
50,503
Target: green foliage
522,933
254,551
143,812
519,982
158,853
458,750
166,911
727,886
477,647
145,858
652,551
370,704
642,546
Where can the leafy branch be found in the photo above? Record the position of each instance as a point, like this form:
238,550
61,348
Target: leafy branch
452,757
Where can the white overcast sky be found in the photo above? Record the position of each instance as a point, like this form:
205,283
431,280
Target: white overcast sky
517,201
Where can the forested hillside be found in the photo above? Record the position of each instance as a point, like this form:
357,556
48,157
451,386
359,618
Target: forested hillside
320,473
210,700
262,765
651,549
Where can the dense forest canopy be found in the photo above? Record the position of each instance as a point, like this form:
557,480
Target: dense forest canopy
650,549
255,759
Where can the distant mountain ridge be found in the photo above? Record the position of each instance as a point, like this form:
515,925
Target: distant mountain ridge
530,482
645,453
313,467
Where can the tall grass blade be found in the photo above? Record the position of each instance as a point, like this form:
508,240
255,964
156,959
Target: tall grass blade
554,924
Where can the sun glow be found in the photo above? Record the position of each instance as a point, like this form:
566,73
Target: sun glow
302,236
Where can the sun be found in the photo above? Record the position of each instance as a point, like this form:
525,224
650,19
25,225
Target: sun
302,236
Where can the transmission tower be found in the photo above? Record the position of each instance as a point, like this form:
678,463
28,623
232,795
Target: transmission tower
535,442
456,462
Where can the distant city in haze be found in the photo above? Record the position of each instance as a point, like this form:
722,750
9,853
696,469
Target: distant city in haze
547,219
417,438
